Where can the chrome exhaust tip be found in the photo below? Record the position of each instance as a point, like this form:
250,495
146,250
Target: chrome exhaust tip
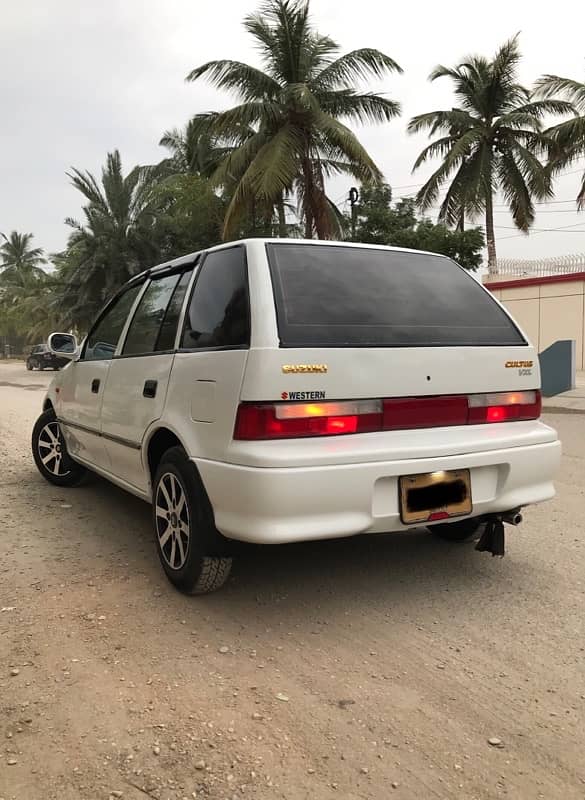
512,517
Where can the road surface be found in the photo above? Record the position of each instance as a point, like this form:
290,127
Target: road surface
375,667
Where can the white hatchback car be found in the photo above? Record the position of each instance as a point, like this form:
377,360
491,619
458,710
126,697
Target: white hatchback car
282,390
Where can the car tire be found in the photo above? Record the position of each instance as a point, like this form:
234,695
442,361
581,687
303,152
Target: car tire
29,366
47,440
193,554
457,531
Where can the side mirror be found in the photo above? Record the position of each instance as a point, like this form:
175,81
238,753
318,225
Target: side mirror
63,345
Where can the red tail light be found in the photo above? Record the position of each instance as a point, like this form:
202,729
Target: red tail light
504,407
295,420
401,413
258,421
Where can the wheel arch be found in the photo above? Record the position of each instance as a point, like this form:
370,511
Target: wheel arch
159,441
48,405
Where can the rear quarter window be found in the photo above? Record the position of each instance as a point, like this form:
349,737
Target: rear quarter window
360,297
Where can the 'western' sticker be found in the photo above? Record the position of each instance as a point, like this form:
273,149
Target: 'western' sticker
303,395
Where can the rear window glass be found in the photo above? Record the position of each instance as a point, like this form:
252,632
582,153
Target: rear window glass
358,297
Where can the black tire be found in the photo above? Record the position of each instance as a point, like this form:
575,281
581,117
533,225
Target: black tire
194,555
457,531
29,366
61,470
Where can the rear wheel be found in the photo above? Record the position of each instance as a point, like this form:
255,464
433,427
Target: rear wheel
50,453
192,552
457,531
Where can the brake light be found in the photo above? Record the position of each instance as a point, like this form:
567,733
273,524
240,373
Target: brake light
504,407
296,420
260,421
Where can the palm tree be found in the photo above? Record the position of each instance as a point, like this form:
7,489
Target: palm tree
115,241
568,137
294,106
490,142
197,150
18,258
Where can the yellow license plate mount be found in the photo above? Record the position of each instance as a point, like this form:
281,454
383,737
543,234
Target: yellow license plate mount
433,496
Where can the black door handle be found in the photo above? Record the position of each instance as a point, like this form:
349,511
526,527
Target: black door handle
95,385
149,389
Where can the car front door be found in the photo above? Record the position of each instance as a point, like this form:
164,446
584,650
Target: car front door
138,376
82,387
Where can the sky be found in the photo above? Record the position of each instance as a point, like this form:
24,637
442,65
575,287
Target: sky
80,78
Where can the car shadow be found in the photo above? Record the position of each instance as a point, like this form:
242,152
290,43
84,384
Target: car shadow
400,570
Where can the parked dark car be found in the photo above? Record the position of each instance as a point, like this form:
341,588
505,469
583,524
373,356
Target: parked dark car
41,358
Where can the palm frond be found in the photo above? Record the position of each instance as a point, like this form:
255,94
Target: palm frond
362,108
339,138
247,82
357,65
516,192
276,164
573,91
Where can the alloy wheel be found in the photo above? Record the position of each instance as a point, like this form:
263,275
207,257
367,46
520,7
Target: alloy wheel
172,521
51,449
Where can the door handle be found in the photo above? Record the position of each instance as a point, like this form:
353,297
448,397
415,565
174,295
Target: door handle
149,389
95,385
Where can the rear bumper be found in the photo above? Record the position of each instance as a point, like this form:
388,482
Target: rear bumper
272,506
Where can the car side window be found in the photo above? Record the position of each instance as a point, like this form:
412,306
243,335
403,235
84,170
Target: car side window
146,324
103,339
219,311
168,329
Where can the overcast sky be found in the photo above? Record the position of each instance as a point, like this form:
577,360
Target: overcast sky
78,79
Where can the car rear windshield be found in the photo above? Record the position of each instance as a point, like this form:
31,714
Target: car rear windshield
332,296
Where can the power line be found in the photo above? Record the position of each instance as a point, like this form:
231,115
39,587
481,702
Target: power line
536,231
418,185
558,211
543,230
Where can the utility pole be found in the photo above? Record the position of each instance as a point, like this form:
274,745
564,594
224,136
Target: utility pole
354,196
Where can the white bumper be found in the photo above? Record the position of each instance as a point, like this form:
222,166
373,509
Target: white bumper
277,505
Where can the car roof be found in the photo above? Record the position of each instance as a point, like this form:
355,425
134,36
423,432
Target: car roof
188,259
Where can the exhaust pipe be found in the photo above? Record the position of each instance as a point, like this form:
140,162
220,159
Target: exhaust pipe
512,517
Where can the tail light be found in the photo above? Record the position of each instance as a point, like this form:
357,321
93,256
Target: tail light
259,421
295,420
504,407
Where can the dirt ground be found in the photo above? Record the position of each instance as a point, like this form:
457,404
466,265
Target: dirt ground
374,667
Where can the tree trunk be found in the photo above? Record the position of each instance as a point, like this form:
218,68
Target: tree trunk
489,233
281,219
307,196
461,221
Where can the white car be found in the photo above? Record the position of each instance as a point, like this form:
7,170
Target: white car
283,390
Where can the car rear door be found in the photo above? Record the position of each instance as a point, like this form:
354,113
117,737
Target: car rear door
81,388
410,331
138,377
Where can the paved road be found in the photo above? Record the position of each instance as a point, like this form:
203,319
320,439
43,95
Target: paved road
366,668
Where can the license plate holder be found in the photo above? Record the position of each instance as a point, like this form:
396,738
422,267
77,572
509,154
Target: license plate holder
435,496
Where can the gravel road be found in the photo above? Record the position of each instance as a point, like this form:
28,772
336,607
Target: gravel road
377,667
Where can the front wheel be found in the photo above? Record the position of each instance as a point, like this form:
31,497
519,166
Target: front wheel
50,453
457,531
191,550
29,366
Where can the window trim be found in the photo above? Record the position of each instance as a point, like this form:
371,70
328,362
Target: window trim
134,311
183,268
126,288
143,278
193,289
